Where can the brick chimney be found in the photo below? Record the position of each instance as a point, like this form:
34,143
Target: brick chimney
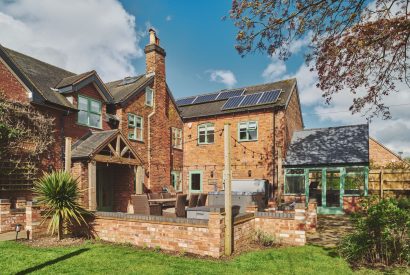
155,56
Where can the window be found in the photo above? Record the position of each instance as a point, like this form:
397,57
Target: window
195,181
89,112
177,138
206,133
149,97
355,181
135,127
295,181
248,131
176,180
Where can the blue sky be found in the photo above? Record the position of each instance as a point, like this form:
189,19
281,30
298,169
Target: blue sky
197,41
109,36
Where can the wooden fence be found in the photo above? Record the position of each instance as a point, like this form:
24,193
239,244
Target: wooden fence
389,182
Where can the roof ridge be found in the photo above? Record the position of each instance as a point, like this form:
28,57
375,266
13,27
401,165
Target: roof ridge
237,88
323,128
139,75
39,60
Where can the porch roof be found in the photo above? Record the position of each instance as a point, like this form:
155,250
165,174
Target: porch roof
92,144
345,145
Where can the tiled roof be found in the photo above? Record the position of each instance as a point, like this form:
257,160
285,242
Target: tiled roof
87,145
121,91
329,146
73,79
214,107
42,75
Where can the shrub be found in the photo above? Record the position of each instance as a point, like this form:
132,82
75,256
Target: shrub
381,235
59,193
264,238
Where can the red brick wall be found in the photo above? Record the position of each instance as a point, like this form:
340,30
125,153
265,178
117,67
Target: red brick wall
379,155
12,88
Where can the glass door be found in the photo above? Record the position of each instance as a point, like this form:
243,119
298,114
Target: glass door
333,188
104,189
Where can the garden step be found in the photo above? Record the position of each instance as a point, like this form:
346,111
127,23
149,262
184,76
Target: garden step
330,229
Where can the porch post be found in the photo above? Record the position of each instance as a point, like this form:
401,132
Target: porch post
139,179
92,185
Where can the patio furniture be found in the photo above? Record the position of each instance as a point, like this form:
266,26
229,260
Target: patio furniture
153,196
142,206
170,202
193,200
179,209
202,199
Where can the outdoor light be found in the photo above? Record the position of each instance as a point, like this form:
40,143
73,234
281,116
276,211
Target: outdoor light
249,173
212,174
18,229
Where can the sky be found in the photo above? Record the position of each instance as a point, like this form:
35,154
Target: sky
109,36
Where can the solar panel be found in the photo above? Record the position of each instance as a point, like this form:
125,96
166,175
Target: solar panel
185,101
231,93
233,102
205,98
251,100
269,97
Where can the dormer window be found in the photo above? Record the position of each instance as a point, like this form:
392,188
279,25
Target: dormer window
89,112
149,97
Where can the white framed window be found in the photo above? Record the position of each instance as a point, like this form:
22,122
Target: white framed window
135,127
177,138
176,180
89,112
206,133
149,96
248,131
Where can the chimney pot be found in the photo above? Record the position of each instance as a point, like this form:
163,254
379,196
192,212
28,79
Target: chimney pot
153,39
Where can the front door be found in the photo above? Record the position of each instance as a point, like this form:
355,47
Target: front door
332,196
104,189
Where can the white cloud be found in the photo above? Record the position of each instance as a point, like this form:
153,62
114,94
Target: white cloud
168,18
274,70
394,133
226,77
76,35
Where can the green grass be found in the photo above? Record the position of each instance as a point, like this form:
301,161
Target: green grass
101,258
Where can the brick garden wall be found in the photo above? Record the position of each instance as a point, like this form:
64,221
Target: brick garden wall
179,235
9,218
201,237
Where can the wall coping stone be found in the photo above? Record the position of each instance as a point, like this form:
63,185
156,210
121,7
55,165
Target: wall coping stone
242,217
148,218
5,201
275,215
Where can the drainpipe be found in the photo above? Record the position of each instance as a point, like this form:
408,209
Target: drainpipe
149,139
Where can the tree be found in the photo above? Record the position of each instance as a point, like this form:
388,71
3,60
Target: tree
60,194
354,44
26,137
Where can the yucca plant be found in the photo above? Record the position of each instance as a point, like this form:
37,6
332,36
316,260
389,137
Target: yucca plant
59,193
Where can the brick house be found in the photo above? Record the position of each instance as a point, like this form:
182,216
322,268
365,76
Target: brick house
263,119
126,134
380,155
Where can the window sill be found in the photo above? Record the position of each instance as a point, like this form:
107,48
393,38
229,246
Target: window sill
295,194
176,148
136,140
253,140
88,126
200,144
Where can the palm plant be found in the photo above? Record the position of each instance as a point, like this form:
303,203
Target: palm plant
60,194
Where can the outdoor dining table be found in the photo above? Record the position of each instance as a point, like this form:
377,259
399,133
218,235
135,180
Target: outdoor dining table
163,201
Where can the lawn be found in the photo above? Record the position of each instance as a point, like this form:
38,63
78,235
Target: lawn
102,258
